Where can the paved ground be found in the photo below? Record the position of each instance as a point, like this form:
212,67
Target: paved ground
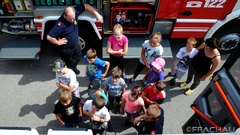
28,93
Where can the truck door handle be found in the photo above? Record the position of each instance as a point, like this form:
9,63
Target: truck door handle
186,13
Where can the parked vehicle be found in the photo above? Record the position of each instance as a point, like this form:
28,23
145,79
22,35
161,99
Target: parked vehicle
173,18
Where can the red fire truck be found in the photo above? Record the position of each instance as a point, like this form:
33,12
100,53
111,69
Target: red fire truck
32,20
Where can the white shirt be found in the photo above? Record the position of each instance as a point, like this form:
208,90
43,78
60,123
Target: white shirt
102,113
69,79
185,58
151,52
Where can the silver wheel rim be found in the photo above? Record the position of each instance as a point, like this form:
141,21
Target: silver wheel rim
229,42
81,43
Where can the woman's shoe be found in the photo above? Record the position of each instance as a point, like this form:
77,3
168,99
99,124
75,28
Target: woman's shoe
188,91
183,84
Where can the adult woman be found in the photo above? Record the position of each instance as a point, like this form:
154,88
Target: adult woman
203,64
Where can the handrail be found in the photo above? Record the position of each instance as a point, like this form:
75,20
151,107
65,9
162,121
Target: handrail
228,104
207,119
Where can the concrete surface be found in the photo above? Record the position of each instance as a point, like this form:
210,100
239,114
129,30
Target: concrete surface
28,93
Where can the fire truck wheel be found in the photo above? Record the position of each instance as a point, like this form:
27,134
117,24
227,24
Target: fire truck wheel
228,39
86,40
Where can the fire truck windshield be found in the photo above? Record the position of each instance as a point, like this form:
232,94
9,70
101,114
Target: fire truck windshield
235,71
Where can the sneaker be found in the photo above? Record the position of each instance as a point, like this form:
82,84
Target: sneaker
183,84
117,110
172,81
104,132
110,105
188,91
90,86
131,80
169,74
125,78
210,78
76,71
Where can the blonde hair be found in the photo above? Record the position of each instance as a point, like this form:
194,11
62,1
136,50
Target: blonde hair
154,110
118,27
91,53
116,72
65,95
192,41
157,36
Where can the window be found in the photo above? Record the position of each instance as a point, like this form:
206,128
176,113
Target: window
213,104
235,72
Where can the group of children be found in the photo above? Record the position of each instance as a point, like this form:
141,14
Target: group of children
141,103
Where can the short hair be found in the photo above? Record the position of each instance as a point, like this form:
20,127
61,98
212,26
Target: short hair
99,102
136,92
160,85
68,9
65,95
192,41
154,110
156,35
91,53
212,42
118,27
116,72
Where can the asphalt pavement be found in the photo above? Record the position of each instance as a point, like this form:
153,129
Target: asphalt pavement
29,93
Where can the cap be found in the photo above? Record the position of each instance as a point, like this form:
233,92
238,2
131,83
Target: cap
158,63
58,65
93,87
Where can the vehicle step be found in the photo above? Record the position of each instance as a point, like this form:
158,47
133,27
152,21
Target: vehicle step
135,47
21,49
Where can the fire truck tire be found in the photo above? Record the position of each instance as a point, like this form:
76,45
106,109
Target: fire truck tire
86,40
228,38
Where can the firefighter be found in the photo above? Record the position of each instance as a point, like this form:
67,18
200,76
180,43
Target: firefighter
64,34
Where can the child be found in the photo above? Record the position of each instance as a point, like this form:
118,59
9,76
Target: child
156,71
98,113
203,64
114,86
65,77
99,92
154,93
183,60
117,47
68,111
94,67
151,49
133,104
150,123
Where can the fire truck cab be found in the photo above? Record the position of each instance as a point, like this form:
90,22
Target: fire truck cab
33,19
